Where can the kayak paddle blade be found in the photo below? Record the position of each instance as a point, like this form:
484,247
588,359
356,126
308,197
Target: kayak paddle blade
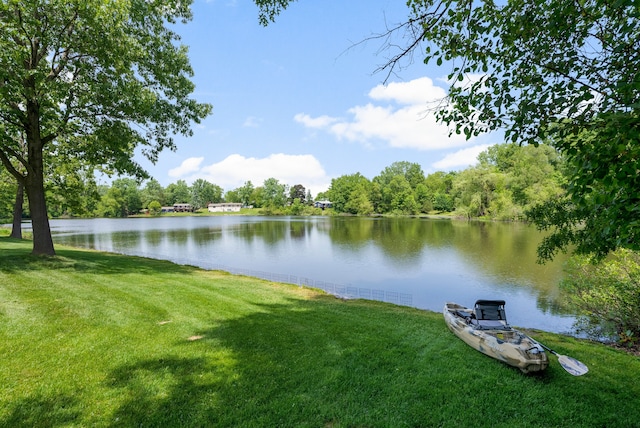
572,366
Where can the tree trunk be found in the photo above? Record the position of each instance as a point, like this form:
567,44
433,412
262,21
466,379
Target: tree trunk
34,184
16,231
42,240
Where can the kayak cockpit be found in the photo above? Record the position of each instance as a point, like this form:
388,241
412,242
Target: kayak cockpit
486,315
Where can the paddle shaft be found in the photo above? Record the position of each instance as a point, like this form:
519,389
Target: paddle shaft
548,349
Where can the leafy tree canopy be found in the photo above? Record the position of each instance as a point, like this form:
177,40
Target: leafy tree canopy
93,79
274,193
347,187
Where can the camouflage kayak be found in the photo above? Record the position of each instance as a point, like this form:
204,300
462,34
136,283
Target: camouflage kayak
484,327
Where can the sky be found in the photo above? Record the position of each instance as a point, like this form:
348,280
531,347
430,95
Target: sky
300,100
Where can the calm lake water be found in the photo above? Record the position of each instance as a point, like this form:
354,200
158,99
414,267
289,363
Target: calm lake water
415,262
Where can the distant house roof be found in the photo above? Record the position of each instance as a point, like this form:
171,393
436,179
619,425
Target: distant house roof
322,204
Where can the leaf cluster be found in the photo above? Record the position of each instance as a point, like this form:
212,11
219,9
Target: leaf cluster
522,66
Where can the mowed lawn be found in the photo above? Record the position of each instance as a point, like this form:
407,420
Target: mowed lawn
103,340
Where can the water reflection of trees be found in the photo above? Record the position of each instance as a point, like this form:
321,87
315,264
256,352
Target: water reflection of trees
398,238
127,239
507,251
154,237
504,251
272,231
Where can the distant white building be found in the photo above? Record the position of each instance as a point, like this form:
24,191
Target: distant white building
227,207
322,204
182,208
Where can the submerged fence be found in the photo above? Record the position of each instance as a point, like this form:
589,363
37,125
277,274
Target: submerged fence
338,290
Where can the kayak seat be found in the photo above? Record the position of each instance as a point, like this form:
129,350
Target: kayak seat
490,314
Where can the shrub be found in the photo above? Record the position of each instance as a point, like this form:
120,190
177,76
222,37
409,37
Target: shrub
606,296
155,208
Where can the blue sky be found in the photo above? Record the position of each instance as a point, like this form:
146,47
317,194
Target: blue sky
300,101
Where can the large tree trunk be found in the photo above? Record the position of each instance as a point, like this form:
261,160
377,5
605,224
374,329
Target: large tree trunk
34,184
42,240
16,230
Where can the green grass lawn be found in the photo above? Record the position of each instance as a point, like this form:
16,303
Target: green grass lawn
101,340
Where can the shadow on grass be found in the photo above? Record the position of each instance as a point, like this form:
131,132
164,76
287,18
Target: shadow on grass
317,364
43,412
322,363
16,256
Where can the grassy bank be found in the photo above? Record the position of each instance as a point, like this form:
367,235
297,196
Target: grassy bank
95,339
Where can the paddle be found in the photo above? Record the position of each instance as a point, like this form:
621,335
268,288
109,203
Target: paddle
571,365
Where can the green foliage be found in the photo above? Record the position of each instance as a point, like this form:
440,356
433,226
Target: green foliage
130,195
601,210
296,207
537,63
438,191
400,196
473,190
273,194
152,191
155,208
487,190
246,194
442,202
8,189
204,193
269,9
359,202
297,192
606,294
178,193
112,204
232,196
257,196
509,180
71,189
349,193
532,173
395,188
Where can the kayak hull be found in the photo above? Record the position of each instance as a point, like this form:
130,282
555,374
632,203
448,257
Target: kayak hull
505,344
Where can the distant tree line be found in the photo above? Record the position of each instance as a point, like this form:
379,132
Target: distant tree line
507,181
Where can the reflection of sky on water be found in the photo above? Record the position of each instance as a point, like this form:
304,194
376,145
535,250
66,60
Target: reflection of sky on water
308,248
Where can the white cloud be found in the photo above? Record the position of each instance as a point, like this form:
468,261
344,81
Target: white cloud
188,166
318,122
416,92
233,171
252,122
406,121
462,158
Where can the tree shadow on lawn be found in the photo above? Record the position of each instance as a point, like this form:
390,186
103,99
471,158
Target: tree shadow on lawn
61,410
288,365
16,257
317,364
